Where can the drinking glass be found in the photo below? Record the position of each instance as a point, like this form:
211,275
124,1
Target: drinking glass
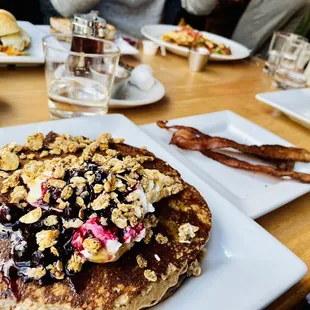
276,48
274,52
288,74
79,83
304,57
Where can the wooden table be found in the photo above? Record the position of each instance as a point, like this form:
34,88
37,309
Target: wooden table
223,86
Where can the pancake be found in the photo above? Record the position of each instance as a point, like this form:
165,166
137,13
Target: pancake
143,275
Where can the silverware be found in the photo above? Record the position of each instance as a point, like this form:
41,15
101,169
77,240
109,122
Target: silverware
198,58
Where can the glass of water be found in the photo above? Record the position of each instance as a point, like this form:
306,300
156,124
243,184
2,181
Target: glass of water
79,83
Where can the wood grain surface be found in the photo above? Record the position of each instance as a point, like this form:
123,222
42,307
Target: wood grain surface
223,86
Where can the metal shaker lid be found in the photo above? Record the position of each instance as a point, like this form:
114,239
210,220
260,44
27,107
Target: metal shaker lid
91,25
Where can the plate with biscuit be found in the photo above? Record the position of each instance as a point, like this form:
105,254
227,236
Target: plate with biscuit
20,41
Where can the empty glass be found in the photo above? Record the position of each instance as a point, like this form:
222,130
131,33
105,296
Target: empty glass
304,57
274,52
276,48
288,74
78,84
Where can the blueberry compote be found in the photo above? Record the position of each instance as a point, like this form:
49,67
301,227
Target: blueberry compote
25,252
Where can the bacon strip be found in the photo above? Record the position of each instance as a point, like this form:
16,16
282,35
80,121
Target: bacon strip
285,165
240,164
193,139
200,141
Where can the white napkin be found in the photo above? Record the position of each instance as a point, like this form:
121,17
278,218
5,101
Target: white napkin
142,77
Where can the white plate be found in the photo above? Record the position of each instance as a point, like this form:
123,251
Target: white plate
155,32
35,49
132,96
295,103
253,193
124,46
245,267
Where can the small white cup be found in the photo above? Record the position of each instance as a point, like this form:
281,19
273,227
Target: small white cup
150,47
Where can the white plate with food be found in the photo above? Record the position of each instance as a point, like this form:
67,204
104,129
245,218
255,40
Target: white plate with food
244,263
22,43
295,103
158,33
253,193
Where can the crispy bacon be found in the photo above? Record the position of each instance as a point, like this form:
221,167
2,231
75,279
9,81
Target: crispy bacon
240,164
196,140
285,165
283,157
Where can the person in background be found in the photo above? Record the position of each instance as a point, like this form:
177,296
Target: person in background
23,10
127,16
262,17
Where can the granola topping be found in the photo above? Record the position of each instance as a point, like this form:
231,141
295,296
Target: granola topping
56,270
75,263
51,220
36,273
187,232
35,142
18,194
194,269
142,262
8,161
32,216
161,239
150,275
73,200
46,239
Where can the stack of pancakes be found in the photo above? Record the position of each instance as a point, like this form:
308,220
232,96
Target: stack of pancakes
125,284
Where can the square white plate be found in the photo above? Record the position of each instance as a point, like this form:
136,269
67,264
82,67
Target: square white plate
245,267
295,103
255,194
35,50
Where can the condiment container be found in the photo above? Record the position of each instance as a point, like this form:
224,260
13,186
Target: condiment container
149,47
198,58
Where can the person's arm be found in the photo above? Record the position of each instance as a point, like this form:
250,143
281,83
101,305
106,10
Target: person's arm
69,7
199,7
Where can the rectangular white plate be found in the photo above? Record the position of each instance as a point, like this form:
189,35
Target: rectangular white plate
295,103
123,45
35,50
245,267
255,194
